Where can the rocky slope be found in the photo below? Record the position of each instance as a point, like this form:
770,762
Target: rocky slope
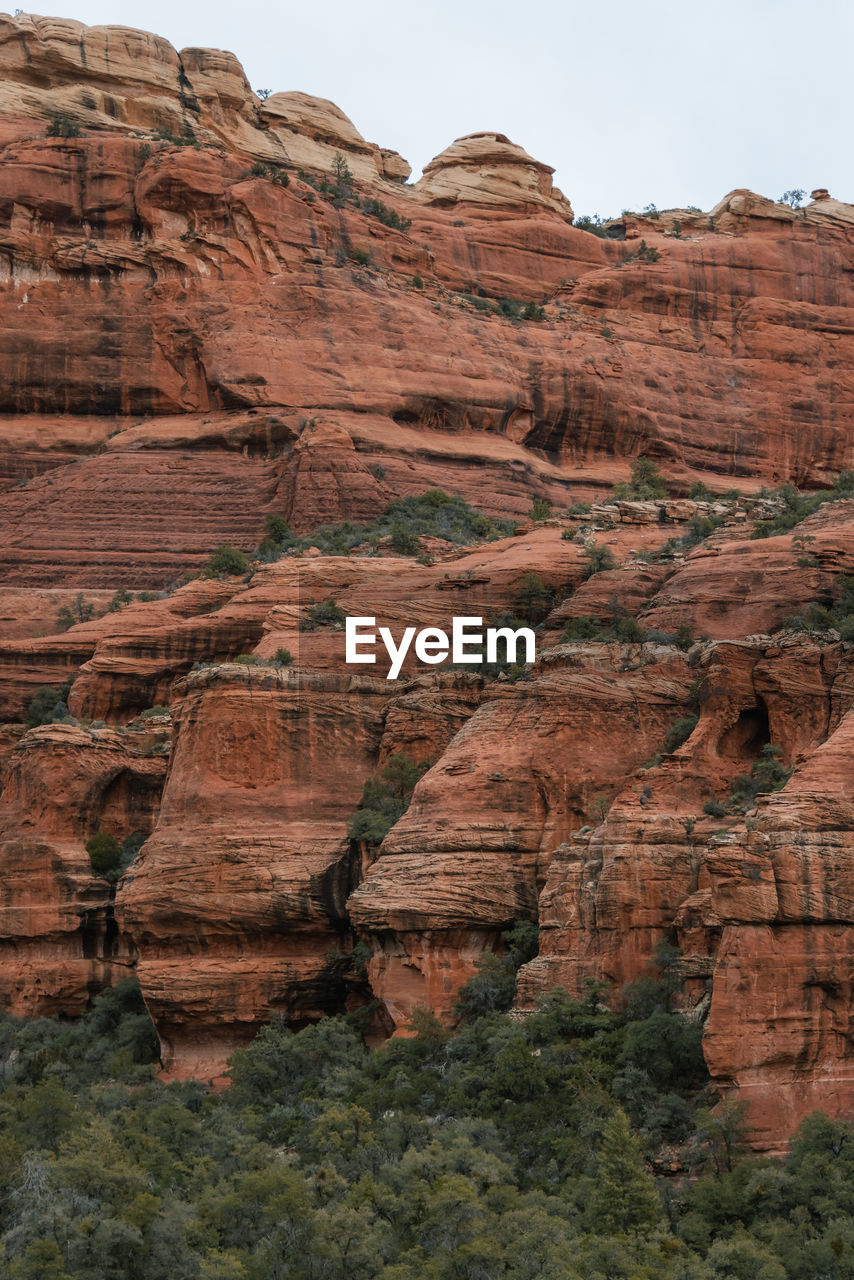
215,309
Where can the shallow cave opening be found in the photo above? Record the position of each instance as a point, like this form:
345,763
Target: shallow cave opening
745,739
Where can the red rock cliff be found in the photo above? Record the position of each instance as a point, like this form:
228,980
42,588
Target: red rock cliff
214,309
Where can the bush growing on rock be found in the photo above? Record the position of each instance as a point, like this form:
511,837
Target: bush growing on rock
386,798
434,514
119,600
326,613
63,127
680,731
273,172
227,562
584,627
105,853
620,628
80,610
388,217
403,540
532,599
766,774
599,558
592,223
818,617
493,988
796,506
49,706
646,483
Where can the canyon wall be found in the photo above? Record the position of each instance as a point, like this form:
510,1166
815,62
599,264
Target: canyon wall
216,309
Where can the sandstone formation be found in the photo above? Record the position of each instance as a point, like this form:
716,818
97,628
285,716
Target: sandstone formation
487,168
122,249
216,309
59,941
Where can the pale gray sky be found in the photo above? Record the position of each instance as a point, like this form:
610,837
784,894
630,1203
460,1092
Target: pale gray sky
673,103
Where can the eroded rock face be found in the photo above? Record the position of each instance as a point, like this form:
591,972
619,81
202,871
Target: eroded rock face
59,941
758,906
783,893
122,250
235,903
472,853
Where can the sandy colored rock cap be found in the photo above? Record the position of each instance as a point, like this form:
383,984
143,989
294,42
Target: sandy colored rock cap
487,168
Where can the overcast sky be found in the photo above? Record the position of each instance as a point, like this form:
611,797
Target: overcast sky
673,103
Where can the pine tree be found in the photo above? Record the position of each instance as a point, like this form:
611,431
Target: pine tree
623,1197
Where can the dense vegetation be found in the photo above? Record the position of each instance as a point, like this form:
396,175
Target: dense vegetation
518,1149
432,514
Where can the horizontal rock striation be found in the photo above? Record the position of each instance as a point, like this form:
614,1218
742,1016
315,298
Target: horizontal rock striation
215,309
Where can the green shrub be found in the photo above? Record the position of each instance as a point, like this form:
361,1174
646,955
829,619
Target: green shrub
493,988
646,483
326,613
680,731
277,527
151,712
273,172
49,706
797,506
714,809
532,598
283,658
185,139
417,282
540,509
817,617
582,628
105,853
227,562
361,256
79,610
388,217
403,540
700,492
63,127
684,636
592,223
766,774
599,558
434,514
119,600
385,799
643,253
627,629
